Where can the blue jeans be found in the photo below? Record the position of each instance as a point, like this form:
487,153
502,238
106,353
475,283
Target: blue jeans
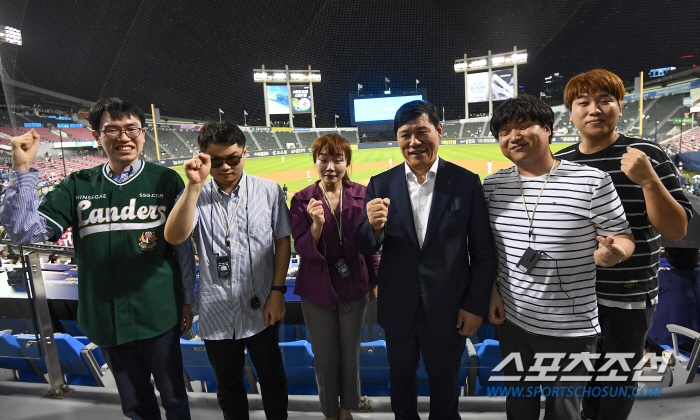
132,365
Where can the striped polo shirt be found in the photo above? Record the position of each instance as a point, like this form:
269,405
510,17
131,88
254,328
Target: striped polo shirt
557,298
630,284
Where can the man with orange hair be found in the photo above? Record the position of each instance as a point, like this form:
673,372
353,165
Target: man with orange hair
651,195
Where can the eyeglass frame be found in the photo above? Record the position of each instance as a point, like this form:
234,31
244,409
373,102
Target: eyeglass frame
141,131
218,159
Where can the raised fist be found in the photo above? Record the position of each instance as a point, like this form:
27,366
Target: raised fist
377,212
24,150
315,210
197,168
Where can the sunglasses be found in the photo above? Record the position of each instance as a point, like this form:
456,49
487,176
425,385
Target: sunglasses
230,161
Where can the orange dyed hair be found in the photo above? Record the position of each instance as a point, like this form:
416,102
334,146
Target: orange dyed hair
334,144
592,82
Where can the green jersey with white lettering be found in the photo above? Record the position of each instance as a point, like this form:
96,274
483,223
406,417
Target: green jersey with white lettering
129,284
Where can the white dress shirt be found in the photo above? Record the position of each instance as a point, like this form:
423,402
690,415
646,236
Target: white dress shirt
421,198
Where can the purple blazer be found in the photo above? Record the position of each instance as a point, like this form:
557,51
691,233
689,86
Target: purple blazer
317,279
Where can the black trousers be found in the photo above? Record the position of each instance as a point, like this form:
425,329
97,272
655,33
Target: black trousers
561,404
624,331
132,365
228,359
442,362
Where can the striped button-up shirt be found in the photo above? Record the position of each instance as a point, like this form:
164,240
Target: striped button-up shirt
224,304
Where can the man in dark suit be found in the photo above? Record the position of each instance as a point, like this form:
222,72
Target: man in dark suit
438,262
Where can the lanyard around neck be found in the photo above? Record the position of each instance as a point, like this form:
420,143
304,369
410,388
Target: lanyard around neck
231,221
339,223
532,220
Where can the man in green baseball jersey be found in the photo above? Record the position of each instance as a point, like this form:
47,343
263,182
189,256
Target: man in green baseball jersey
134,311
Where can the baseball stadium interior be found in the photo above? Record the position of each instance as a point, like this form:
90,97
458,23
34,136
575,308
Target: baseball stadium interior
187,64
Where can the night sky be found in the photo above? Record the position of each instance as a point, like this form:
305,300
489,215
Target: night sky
191,58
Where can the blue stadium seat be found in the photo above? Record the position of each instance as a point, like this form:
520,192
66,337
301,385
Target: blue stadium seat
422,376
71,327
374,368
13,357
196,364
195,327
469,367
16,326
77,360
681,354
489,355
198,368
299,367
372,332
96,352
290,332
485,332
469,364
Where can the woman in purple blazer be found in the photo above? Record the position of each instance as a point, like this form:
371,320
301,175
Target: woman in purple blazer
334,280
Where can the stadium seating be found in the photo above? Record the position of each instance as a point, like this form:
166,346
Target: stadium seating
289,333
12,357
286,137
374,368
78,362
71,327
372,332
78,133
489,356
299,367
196,364
266,141
473,129
16,326
44,133
189,137
664,110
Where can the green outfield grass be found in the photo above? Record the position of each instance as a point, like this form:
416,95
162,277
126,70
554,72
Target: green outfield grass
267,165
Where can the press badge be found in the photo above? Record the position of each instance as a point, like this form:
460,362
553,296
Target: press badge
528,260
343,268
223,266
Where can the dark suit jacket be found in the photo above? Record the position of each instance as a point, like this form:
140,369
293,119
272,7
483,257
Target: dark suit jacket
456,266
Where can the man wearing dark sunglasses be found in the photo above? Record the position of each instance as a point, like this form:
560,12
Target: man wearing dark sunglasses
241,226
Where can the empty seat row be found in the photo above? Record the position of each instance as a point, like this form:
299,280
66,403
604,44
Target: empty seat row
80,360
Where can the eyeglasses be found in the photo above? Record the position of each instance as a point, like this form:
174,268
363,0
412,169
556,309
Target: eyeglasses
115,133
230,161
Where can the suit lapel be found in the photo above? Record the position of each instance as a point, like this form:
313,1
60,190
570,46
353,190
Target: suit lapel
444,185
402,201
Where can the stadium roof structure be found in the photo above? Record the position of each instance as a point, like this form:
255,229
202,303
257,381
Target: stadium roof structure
672,78
191,59
29,95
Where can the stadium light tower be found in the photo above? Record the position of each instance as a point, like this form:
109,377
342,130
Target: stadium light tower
10,35
490,62
293,99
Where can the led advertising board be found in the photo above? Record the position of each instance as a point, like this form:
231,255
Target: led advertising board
301,99
277,99
501,89
380,109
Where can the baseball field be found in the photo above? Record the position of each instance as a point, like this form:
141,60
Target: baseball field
369,162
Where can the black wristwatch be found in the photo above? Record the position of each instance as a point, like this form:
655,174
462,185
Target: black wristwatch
281,289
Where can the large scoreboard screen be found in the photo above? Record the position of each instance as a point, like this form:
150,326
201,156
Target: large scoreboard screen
379,109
